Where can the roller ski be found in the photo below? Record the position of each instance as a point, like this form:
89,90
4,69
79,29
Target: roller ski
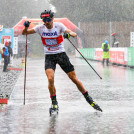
54,107
96,106
53,110
91,102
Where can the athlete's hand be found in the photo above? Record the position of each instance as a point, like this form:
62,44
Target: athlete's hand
27,23
66,35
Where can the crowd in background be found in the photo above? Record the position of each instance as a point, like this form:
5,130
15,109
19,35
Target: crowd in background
7,54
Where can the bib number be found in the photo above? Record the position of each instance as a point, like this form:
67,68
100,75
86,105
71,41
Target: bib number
50,42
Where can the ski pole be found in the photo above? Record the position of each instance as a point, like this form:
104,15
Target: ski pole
25,68
84,58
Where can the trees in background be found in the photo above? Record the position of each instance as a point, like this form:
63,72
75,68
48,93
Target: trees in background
99,18
95,10
12,11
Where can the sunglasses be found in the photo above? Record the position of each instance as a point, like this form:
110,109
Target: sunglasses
47,19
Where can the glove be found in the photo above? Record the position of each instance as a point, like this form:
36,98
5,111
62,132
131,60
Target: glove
66,35
27,23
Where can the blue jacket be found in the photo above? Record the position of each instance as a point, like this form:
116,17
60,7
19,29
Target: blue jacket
5,51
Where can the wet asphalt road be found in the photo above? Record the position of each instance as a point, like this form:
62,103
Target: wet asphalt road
114,93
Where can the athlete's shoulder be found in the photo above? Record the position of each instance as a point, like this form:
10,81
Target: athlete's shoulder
39,26
58,24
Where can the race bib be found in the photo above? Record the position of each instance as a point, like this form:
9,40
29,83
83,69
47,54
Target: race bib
51,42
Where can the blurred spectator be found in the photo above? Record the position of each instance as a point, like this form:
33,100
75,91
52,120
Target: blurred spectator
10,51
5,55
105,46
115,43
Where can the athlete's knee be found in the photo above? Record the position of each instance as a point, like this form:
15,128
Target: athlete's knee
51,79
72,76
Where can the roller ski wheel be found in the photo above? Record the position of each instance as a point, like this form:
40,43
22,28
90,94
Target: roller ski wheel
96,106
54,110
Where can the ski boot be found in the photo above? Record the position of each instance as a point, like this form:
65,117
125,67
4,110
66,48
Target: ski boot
91,102
95,106
54,107
53,110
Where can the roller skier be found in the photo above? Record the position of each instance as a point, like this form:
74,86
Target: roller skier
52,40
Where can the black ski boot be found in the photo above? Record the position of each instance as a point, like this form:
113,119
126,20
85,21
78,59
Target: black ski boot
91,102
54,107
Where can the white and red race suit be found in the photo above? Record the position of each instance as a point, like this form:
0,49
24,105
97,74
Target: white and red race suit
52,39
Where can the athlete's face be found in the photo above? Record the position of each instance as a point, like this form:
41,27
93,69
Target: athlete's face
48,23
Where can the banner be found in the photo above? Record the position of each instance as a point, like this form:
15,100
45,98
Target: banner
6,34
88,53
131,39
130,56
15,47
98,54
123,56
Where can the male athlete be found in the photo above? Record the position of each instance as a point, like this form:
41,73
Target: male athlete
52,40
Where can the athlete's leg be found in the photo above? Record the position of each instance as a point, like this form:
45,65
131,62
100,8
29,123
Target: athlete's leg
50,77
50,66
81,88
66,65
79,85
51,87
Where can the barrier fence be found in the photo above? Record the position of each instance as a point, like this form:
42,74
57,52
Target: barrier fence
119,56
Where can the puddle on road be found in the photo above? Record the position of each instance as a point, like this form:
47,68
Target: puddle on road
114,94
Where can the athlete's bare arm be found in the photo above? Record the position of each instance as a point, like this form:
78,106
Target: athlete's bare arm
73,34
29,31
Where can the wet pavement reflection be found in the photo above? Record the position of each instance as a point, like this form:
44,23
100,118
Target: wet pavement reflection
114,93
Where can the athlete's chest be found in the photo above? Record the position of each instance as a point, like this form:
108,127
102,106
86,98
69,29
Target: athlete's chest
47,33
